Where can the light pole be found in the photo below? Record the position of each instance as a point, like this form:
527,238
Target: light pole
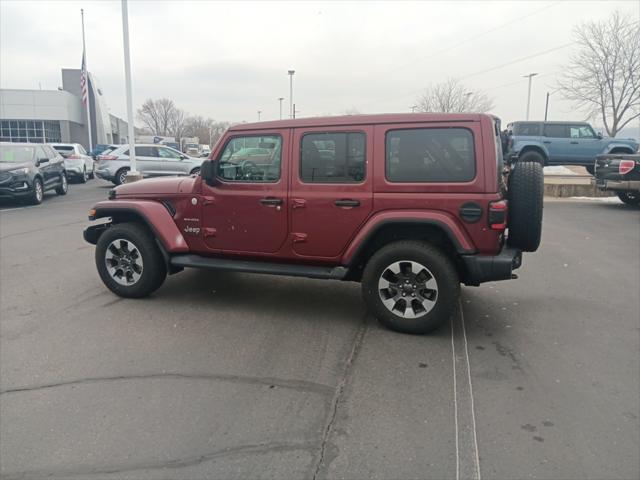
291,72
133,174
259,112
280,99
413,108
530,76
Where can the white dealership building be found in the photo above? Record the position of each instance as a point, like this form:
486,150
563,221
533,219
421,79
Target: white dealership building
59,115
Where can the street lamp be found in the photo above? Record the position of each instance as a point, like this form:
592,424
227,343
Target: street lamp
530,76
413,108
291,72
280,99
259,112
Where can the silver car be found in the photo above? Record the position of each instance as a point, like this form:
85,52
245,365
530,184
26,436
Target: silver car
77,162
152,160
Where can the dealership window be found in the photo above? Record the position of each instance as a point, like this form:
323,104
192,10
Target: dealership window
333,157
32,131
430,155
251,159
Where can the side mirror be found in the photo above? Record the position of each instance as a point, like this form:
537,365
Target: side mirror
599,135
208,172
183,157
43,160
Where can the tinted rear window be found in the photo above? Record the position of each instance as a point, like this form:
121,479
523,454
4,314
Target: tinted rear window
556,131
430,155
527,129
63,148
333,157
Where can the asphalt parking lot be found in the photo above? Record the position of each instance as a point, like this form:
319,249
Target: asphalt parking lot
247,376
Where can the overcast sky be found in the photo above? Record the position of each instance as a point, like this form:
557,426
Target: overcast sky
226,60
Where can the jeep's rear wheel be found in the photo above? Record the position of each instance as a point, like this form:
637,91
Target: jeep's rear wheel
410,286
129,261
526,190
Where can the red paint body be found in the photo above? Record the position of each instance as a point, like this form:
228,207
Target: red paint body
228,218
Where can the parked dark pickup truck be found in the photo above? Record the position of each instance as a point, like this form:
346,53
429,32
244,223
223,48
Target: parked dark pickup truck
621,174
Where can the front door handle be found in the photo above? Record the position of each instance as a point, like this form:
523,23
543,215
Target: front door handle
347,203
271,201
546,141
573,143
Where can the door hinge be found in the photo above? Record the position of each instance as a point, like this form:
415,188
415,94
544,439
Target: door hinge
210,232
299,237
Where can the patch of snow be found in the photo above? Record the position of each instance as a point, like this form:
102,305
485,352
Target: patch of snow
558,170
600,199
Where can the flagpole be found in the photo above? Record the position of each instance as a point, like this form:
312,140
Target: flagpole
84,54
133,175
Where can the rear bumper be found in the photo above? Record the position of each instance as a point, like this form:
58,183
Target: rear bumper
487,268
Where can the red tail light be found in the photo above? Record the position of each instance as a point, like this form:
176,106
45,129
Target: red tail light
74,157
498,214
626,166
107,157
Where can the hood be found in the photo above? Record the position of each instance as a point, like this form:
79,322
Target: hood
6,166
157,186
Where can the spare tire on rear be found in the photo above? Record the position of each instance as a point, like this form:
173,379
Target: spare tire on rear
526,190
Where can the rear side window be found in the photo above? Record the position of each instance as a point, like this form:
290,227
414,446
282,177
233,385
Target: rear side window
527,129
146,152
333,157
430,155
556,131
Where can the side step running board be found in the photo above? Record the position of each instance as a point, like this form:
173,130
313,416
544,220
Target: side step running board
197,261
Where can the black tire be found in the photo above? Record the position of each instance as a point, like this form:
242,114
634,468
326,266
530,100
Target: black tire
435,262
63,188
136,238
120,176
591,169
526,191
195,171
533,157
630,198
84,177
37,192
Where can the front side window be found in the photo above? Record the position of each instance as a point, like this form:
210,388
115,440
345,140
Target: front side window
333,157
581,131
253,159
430,155
168,153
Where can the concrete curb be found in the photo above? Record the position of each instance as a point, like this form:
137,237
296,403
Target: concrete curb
573,190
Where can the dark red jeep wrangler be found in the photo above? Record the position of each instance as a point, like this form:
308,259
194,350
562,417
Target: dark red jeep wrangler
410,205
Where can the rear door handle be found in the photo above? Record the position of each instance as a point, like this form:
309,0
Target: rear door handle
546,141
347,203
271,201
573,143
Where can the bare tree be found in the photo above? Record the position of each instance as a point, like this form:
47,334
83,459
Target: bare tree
177,124
206,129
603,76
158,115
451,96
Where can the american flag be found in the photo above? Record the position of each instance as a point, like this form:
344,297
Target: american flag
83,80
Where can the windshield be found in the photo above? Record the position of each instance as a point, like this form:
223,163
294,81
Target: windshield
16,154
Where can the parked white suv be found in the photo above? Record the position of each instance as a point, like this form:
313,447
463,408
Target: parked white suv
152,160
77,162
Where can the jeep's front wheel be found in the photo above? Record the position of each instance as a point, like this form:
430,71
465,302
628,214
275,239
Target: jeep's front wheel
410,287
129,261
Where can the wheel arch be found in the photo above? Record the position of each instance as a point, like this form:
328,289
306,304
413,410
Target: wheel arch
433,231
535,148
152,215
618,148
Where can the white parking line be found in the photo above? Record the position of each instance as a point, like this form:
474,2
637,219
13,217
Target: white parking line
467,455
